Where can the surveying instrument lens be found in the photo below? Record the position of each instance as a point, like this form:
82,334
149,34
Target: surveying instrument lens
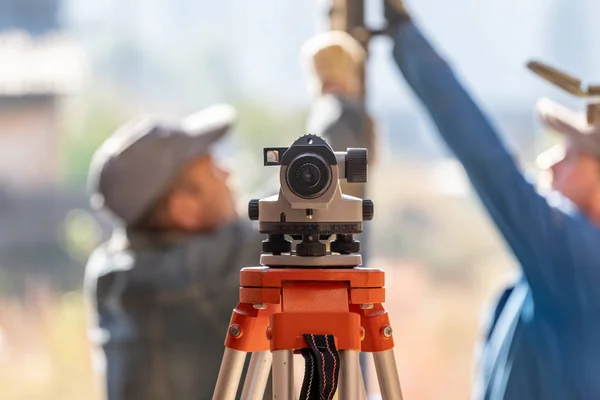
308,176
316,298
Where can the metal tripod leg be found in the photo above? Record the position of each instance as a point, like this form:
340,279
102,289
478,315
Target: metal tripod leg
350,376
362,394
362,391
283,374
387,375
229,374
257,376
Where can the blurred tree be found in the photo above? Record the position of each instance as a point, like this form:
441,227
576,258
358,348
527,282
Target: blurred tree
88,123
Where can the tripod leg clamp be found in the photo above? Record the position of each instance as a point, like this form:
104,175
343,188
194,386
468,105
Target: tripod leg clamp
322,368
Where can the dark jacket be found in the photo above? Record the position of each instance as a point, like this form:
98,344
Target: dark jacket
163,308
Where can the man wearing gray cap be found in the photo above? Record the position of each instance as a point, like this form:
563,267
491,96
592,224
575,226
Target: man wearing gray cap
166,282
541,341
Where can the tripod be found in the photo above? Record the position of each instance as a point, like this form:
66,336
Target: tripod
312,301
279,306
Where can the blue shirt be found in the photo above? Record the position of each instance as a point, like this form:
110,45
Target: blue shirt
544,338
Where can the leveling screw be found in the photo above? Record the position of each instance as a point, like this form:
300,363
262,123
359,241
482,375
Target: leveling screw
260,306
235,330
366,306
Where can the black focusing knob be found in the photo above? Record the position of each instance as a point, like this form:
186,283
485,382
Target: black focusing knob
368,209
356,165
253,210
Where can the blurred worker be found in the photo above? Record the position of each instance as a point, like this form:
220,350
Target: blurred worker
165,284
542,341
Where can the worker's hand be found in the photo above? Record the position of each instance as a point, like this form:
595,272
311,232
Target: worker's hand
395,13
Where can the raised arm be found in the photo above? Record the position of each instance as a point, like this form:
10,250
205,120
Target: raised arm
550,244
342,122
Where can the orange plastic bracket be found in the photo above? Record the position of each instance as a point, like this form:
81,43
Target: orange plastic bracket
278,305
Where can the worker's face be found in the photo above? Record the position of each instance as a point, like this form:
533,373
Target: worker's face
577,177
201,200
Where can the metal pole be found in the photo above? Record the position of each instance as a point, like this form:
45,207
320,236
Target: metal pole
387,375
230,373
283,375
349,387
257,376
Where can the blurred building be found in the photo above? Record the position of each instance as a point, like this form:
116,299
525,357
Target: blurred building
39,64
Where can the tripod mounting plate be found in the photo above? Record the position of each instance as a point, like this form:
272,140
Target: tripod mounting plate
329,261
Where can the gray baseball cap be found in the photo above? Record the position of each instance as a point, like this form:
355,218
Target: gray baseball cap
133,168
572,125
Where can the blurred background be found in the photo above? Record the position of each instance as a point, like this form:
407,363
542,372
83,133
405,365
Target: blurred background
71,71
